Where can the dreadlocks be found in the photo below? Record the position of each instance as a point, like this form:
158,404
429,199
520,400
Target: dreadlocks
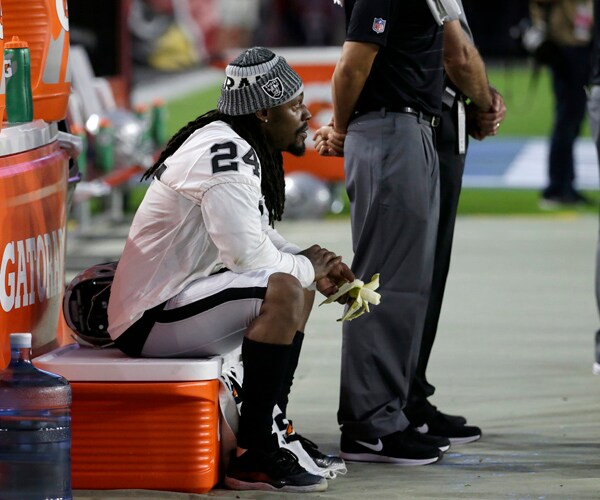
247,126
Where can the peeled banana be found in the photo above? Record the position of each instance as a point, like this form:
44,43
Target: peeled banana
361,295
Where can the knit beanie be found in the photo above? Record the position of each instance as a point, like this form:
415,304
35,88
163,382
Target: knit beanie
257,79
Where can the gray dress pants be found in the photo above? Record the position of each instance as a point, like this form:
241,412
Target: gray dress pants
391,169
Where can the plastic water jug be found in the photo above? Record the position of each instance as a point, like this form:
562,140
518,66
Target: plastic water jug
35,429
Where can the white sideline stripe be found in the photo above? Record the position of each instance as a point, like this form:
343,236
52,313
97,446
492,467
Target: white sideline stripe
529,168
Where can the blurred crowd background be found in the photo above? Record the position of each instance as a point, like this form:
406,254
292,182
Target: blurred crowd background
122,36
176,50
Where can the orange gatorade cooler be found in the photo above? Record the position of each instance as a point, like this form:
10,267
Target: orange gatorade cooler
140,423
44,25
2,81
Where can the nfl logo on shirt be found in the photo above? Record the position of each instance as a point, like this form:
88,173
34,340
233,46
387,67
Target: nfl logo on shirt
378,25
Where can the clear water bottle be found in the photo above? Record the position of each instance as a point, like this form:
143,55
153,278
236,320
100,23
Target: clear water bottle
35,429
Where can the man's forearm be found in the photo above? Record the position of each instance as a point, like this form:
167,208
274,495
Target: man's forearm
349,77
345,91
464,66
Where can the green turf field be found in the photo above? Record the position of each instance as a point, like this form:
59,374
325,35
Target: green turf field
528,99
472,202
187,108
529,102
514,202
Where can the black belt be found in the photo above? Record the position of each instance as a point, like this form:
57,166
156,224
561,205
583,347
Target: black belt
432,120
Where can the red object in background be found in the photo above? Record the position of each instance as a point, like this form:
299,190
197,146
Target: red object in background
317,96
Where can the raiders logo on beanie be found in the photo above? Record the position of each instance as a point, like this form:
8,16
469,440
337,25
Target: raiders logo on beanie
257,79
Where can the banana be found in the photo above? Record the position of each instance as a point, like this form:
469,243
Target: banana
374,283
361,295
370,296
343,290
355,308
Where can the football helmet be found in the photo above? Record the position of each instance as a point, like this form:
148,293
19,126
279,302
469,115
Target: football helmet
86,301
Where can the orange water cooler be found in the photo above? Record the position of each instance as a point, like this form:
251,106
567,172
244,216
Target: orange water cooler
44,25
33,190
2,80
34,181
140,423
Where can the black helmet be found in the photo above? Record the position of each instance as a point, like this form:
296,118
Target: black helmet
86,301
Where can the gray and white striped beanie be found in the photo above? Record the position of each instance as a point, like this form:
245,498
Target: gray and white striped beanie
257,79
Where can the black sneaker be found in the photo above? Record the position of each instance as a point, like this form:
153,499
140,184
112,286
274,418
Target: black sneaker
329,462
400,448
456,419
308,453
439,425
440,442
271,471
419,413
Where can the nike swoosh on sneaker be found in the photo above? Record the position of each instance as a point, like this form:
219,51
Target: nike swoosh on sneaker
423,429
378,446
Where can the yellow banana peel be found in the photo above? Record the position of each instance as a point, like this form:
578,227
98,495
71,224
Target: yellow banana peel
361,295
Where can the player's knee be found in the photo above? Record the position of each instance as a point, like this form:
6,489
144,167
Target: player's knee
286,287
286,291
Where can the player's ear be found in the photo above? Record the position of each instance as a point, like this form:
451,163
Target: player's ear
262,115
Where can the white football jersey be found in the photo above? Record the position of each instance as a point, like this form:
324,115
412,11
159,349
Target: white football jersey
205,212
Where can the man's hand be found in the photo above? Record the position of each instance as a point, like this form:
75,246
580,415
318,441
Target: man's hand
481,124
329,142
323,261
338,275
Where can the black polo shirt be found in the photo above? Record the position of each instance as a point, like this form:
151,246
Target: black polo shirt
408,69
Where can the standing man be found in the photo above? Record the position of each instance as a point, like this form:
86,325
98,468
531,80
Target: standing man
594,114
465,77
568,25
387,89
486,110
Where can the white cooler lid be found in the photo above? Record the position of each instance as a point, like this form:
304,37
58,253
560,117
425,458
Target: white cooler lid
84,364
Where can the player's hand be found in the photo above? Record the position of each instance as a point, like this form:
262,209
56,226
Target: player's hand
341,274
326,286
323,260
338,275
